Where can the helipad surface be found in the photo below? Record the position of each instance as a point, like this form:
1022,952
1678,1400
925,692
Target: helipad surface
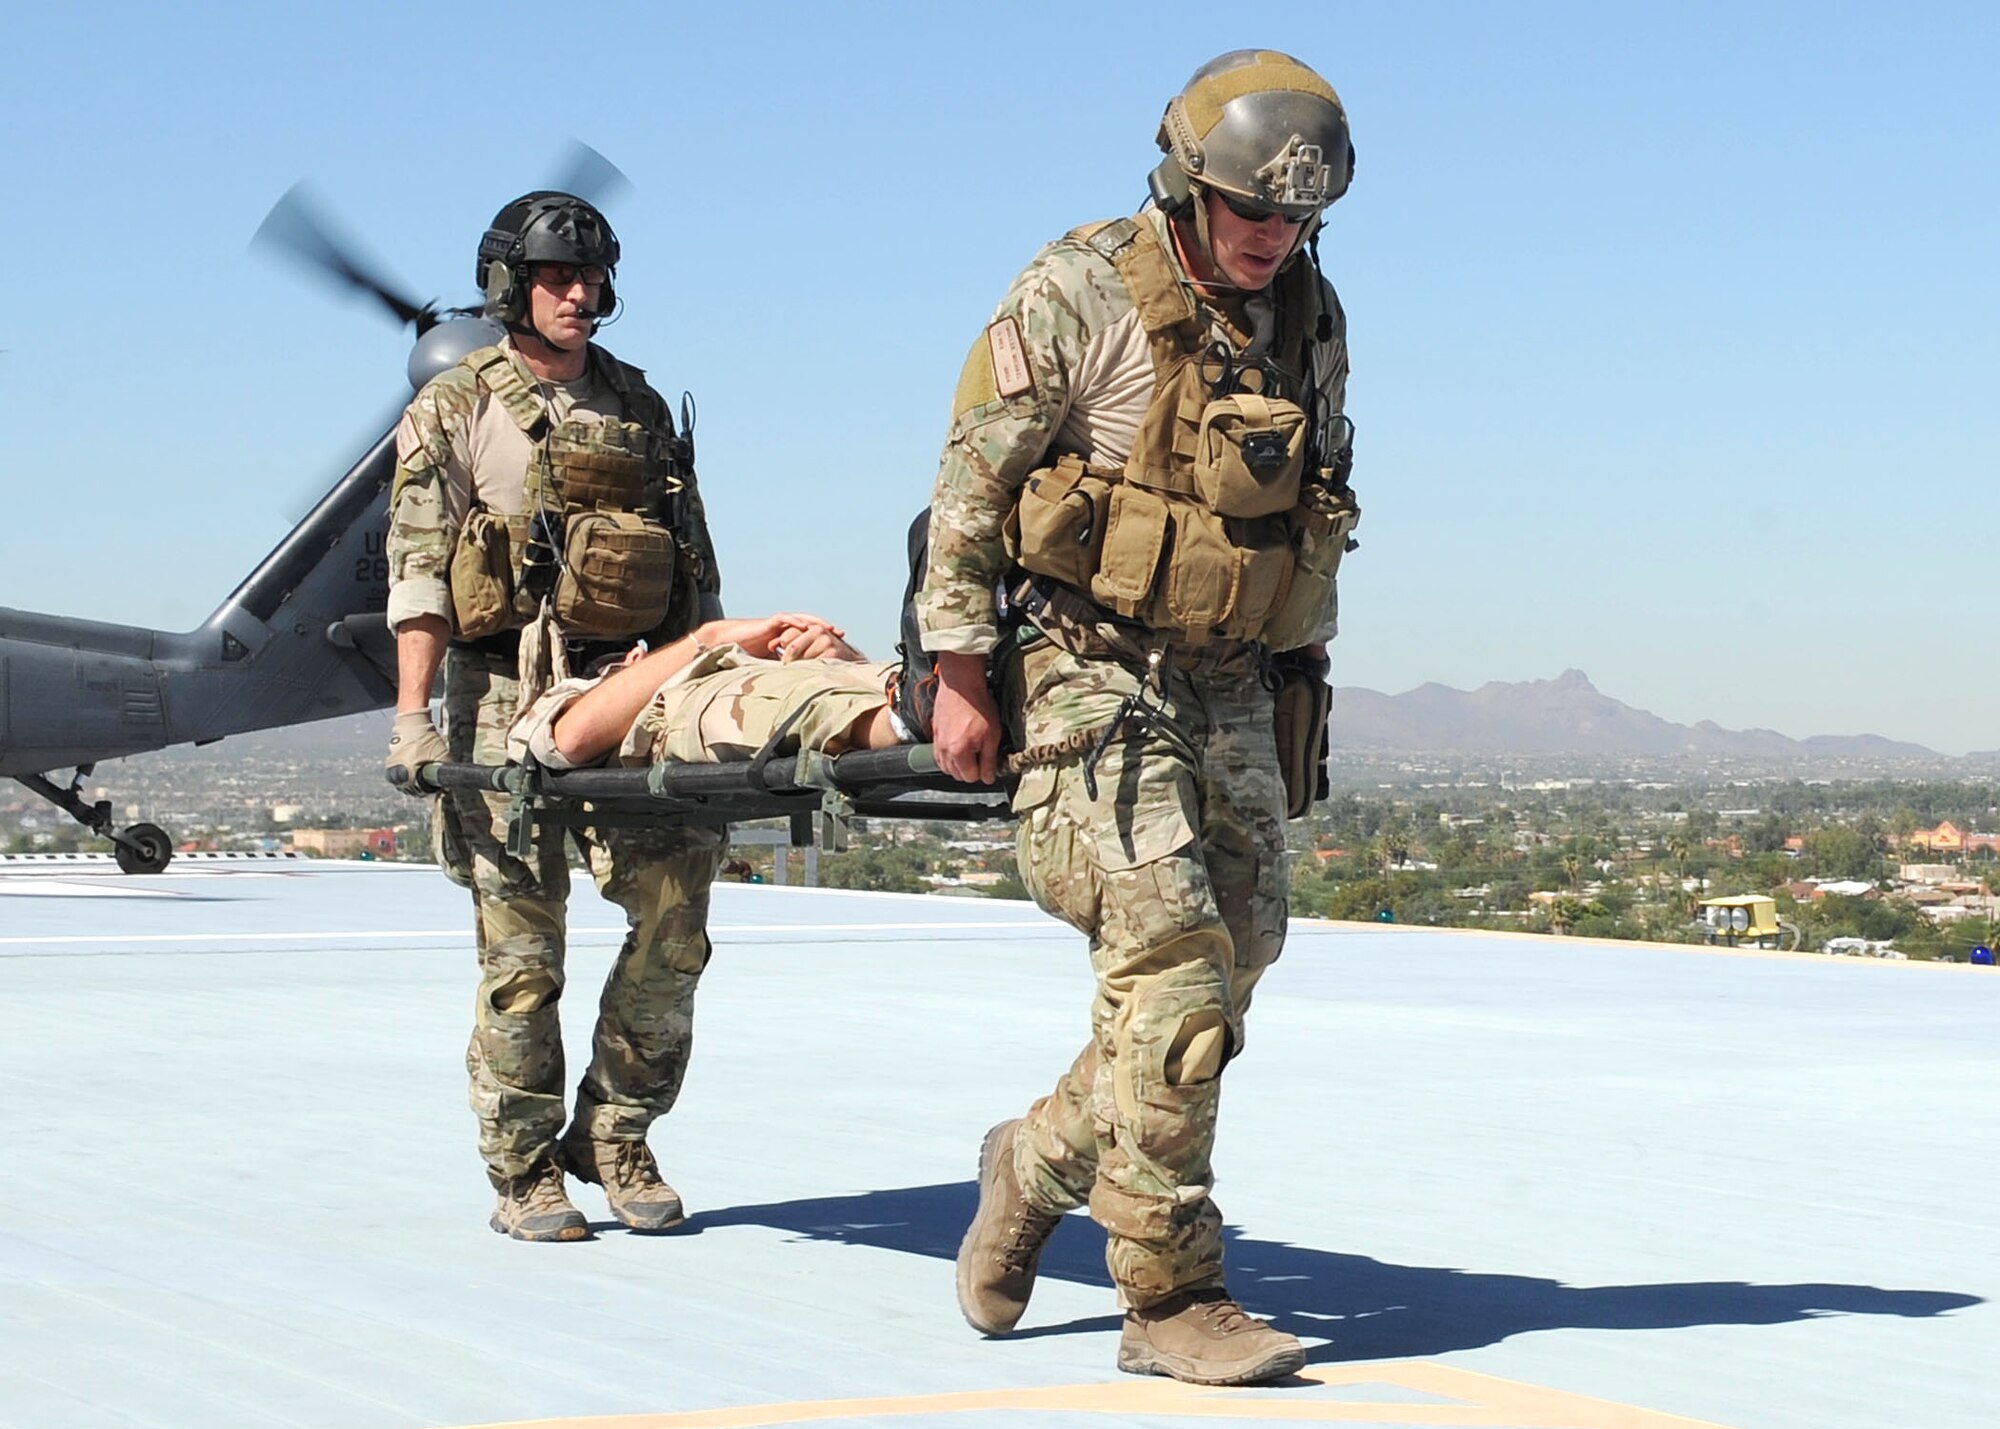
1494,1182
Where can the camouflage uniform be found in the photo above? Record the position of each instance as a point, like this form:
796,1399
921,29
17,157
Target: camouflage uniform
453,447
1175,870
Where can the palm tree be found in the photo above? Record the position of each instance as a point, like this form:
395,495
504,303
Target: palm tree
1679,847
1565,913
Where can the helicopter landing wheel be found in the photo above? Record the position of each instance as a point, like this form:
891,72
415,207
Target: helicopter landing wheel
149,849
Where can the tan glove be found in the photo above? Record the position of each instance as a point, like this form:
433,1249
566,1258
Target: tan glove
414,742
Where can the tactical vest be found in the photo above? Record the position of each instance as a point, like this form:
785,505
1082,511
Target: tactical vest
1200,534
597,532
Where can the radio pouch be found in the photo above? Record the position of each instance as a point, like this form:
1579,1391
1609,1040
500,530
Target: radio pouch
1249,455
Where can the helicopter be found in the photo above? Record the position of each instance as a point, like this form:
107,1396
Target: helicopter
304,637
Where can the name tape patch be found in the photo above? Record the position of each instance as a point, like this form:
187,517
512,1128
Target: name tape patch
1010,358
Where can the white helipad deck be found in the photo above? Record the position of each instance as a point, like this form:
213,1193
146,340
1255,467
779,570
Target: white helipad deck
1495,1182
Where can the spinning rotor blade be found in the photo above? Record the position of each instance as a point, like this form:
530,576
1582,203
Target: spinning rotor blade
295,228
589,175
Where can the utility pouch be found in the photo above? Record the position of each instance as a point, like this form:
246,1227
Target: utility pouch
1320,541
1250,452
1204,575
1300,711
1136,527
482,576
1268,562
1059,522
617,576
1223,577
602,477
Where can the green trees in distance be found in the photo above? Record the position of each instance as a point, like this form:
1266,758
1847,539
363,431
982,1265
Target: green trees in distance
1598,860
1855,850
1631,861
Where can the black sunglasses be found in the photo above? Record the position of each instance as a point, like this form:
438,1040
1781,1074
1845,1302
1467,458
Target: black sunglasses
567,275
1255,213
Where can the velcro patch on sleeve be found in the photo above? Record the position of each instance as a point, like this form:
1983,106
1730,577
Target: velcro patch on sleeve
975,381
1010,358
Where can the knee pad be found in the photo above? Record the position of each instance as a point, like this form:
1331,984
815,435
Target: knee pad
525,992
1199,1048
1172,1035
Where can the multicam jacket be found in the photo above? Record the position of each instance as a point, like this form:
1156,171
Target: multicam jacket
456,445
1077,380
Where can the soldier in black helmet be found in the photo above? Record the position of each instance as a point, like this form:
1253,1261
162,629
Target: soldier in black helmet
544,513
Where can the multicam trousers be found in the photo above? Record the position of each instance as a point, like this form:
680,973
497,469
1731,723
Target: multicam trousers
1176,874
645,1022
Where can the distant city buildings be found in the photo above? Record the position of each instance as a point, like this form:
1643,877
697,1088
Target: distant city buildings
345,843
1947,837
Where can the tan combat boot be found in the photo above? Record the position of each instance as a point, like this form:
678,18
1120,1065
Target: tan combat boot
1003,1245
534,1206
631,1179
1204,1337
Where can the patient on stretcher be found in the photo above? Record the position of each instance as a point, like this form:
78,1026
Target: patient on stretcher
716,695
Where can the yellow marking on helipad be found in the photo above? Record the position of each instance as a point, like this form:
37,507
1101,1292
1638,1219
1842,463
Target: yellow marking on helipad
1461,1399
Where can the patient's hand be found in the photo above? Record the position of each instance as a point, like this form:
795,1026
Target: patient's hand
813,642
787,636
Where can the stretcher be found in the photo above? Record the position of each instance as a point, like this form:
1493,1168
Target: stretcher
820,795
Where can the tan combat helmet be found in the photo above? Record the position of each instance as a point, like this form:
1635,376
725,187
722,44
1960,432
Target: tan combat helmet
1259,126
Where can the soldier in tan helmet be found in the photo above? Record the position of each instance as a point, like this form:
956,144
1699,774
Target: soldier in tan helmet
1142,504
544,514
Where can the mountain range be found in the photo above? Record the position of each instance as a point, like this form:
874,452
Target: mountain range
1570,716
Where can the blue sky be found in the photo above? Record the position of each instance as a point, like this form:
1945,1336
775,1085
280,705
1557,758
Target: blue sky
1672,325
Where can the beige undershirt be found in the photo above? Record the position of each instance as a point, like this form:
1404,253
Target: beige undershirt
1114,382
491,458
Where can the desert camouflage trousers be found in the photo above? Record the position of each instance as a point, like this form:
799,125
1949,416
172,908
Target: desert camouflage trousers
645,1020
740,704
1176,874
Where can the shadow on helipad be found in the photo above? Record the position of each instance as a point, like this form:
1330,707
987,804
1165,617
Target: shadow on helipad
1369,1309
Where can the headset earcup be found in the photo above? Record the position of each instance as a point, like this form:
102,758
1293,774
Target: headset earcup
499,290
1168,184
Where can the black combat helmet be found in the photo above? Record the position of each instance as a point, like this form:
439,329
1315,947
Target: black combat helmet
542,227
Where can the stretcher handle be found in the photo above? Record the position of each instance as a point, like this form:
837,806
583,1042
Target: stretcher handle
857,771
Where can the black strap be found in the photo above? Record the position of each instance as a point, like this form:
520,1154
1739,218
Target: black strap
506,645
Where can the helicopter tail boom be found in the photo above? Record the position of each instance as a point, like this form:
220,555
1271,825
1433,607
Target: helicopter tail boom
302,638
